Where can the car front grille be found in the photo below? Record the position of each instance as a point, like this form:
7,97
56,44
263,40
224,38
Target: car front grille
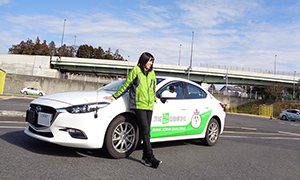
32,114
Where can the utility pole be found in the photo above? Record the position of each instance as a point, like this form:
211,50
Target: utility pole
179,54
63,33
275,64
191,59
294,86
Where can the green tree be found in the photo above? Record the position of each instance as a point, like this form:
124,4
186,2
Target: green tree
85,51
17,49
29,47
99,53
117,56
108,54
276,89
37,48
52,49
66,51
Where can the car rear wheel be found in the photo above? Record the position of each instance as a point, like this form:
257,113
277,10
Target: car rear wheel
25,92
121,137
212,133
41,94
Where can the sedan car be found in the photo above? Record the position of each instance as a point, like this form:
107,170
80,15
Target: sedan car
184,110
290,114
34,91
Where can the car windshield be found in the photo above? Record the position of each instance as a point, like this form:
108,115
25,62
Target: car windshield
115,86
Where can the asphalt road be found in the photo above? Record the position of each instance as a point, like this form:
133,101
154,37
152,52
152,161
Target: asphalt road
250,148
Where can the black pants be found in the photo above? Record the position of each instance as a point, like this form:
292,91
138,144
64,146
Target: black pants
144,121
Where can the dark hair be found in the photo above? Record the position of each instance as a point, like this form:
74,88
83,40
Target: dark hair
144,58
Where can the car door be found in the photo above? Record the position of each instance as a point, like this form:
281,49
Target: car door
294,115
200,109
297,115
170,115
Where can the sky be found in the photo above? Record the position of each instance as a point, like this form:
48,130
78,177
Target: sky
233,34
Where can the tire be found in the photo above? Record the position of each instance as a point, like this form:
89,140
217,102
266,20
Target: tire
212,133
284,118
121,137
25,92
41,94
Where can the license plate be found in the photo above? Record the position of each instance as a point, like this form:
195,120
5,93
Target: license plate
44,119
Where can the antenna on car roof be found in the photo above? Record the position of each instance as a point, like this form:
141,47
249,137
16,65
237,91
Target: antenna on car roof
96,113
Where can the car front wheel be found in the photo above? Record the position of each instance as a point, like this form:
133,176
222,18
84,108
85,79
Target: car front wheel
212,133
284,118
121,137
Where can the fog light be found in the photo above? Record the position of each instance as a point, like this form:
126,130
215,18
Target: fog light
75,133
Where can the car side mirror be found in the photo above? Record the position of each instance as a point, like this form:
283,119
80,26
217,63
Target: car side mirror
167,95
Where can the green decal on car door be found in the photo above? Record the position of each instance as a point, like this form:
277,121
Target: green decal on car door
190,129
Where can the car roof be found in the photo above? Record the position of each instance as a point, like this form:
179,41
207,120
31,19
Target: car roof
176,79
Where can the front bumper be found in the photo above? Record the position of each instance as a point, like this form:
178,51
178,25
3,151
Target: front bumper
81,130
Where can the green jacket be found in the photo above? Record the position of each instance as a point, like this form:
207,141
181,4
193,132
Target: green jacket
141,86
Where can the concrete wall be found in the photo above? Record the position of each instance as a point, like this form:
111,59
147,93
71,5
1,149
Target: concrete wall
231,101
14,83
27,65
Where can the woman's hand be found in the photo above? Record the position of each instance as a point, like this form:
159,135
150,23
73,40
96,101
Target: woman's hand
111,98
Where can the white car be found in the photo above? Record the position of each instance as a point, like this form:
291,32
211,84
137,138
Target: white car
85,120
34,91
290,114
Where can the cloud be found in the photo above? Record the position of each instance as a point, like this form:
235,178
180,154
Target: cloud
212,13
4,2
225,35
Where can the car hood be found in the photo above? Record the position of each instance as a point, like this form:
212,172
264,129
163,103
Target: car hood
66,99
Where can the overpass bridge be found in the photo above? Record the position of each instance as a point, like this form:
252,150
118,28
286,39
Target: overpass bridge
197,74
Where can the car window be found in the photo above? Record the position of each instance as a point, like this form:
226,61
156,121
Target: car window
294,111
115,86
195,92
178,89
158,80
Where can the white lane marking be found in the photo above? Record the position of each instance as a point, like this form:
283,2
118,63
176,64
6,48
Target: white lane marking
12,127
245,137
246,128
283,132
281,138
268,138
235,127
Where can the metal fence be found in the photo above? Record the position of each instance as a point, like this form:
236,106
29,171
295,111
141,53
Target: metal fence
248,69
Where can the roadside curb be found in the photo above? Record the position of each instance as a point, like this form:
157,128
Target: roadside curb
17,96
252,115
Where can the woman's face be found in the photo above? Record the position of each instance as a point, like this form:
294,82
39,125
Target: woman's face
149,64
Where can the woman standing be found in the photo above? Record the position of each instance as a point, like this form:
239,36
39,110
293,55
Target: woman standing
141,84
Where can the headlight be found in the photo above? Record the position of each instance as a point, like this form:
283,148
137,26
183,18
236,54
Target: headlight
86,107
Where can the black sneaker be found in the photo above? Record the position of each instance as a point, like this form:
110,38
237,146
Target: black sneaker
146,162
154,162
